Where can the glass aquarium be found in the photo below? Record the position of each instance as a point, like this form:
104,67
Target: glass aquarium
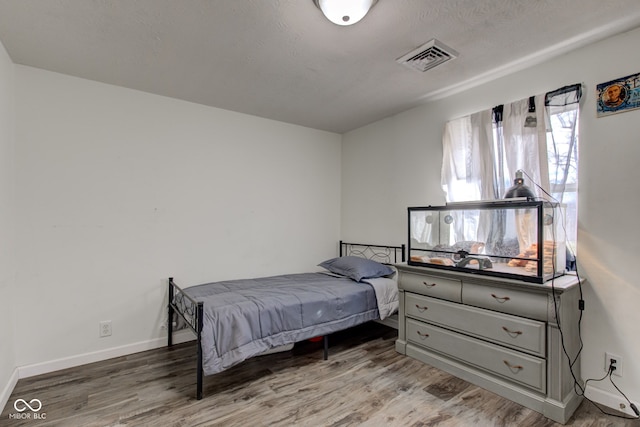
517,239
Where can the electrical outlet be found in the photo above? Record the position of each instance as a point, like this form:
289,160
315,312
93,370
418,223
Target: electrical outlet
610,358
105,328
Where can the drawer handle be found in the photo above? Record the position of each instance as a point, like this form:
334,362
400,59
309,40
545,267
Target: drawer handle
421,309
513,334
514,368
422,335
500,299
430,285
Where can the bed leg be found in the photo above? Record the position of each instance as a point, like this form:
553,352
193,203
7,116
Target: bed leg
170,317
199,374
199,369
325,340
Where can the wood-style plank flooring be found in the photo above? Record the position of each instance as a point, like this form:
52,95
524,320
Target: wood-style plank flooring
365,382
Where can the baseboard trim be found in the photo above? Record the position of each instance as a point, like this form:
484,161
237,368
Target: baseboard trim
391,321
610,400
98,356
8,389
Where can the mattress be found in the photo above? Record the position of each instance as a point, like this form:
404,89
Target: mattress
244,318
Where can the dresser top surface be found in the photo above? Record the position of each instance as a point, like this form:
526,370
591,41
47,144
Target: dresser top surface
559,284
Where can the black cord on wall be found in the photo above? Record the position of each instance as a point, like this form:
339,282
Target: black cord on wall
578,387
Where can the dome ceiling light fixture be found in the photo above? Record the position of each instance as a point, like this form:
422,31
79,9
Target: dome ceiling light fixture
344,12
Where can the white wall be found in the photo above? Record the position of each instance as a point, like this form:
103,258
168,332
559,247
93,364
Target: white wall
7,226
118,190
406,152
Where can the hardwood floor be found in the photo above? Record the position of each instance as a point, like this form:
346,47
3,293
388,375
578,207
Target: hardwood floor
364,382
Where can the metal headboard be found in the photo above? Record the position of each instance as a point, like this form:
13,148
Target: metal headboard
380,253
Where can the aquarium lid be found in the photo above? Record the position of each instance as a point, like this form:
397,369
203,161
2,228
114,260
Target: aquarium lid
489,202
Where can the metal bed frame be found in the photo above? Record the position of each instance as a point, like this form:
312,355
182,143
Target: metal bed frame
192,311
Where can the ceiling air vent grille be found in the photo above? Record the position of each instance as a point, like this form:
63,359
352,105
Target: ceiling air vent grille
427,56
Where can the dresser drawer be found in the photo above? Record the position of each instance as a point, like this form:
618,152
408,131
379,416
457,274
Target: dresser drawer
523,369
513,301
434,286
515,332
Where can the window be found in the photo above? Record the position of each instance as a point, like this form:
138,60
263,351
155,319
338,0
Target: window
538,135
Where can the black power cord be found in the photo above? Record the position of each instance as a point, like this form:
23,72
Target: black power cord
576,382
631,405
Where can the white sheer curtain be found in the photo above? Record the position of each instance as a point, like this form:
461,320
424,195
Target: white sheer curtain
537,135
525,145
468,157
562,108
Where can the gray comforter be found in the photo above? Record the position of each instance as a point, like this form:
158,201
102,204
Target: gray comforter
244,318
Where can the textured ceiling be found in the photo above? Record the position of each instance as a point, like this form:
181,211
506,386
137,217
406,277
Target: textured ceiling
281,59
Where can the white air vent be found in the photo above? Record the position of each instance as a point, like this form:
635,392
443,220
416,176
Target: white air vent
427,56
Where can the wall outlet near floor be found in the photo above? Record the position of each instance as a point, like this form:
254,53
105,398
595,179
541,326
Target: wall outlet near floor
105,328
617,362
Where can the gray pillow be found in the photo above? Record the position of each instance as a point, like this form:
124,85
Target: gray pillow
356,268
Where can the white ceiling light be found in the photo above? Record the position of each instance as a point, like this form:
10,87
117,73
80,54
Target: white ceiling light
345,12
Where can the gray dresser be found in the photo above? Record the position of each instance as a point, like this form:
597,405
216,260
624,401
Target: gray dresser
500,334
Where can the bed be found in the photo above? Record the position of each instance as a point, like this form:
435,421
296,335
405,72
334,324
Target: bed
238,319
